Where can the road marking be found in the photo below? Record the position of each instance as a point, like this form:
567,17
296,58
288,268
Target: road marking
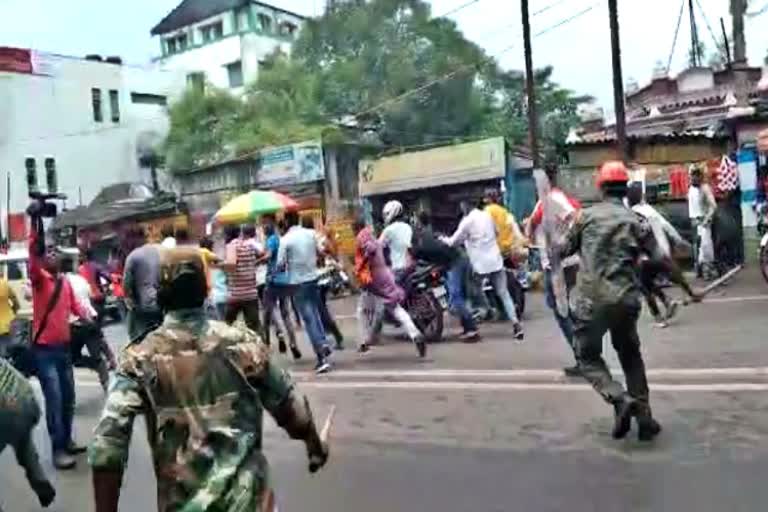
746,298
507,386
522,386
529,373
520,374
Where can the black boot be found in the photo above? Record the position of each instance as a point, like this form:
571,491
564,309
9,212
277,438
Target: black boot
623,409
45,492
647,427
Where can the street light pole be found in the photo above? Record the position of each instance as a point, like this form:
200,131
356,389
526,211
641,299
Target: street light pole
533,119
618,82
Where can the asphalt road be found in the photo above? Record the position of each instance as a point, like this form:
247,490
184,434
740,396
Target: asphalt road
495,427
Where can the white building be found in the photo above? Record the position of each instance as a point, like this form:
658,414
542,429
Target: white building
224,42
86,115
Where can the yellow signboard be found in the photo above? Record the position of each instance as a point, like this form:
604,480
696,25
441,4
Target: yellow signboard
462,163
344,235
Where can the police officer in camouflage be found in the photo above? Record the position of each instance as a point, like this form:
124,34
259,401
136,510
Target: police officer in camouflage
607,298
202,386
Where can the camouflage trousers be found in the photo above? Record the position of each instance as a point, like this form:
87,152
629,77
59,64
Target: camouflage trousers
16,426
620,320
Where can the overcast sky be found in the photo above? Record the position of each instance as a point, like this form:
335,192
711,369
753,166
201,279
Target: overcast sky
579,50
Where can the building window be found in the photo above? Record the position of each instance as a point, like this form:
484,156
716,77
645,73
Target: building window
265,23
235,72
141,98
176,44
98,116
212,32
242,18
196,81
182,41
288,29
114,105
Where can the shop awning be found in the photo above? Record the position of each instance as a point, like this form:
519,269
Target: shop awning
449,165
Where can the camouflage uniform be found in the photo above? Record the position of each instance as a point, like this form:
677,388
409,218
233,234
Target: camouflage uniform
607,297
202,386
19,414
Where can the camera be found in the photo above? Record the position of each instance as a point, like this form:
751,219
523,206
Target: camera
44,208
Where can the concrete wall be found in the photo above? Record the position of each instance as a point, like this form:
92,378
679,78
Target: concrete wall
248,43
52,116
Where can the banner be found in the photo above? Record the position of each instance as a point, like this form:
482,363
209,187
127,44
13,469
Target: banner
295,163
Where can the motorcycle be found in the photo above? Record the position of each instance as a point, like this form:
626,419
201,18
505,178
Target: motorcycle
426,299
334,278
99,358
517,284
114,304
762,230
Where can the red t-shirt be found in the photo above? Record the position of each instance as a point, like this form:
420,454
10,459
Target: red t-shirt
57,330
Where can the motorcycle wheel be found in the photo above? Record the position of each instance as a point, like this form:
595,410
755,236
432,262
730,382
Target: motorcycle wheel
427,314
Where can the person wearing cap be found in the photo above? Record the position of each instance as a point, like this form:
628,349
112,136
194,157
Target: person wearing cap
607,298
701,210
202,386
53,301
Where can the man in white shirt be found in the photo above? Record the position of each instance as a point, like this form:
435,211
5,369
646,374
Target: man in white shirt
397,236
477,232
169,240
701,210
661,261
565,209
88,333
297,255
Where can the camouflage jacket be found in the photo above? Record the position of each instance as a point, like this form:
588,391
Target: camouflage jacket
201,386
609,240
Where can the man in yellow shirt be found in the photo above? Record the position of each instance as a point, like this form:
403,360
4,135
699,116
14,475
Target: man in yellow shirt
508,236
9,306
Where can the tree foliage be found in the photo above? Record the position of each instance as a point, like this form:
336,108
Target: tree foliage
385,66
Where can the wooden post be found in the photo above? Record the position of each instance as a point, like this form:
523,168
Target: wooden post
618,82
530,89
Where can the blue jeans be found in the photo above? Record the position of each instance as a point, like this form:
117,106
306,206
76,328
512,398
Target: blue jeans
456,294
566,326
54,371
307,298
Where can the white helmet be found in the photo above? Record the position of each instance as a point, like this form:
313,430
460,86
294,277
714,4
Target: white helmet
391,211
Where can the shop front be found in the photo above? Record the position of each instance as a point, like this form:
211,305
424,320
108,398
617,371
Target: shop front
439,180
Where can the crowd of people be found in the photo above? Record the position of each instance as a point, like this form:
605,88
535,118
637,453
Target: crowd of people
188,349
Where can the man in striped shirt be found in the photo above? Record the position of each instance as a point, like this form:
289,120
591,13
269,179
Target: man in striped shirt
19,413
241,262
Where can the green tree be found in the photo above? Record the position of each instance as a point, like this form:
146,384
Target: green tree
202,126
383,66
368,55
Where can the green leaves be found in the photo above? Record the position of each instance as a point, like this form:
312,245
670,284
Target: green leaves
384,65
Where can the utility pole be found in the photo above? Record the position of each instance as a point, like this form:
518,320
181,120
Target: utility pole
695,46
727,44
618,82
738,10
530,89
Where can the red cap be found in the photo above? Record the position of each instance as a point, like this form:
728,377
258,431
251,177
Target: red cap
613,171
